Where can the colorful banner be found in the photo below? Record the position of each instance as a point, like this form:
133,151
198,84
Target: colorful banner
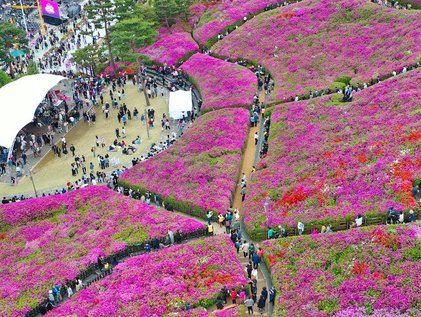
50,8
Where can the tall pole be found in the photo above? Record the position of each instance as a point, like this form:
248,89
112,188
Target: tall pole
33,183
147,124
148,105
41,19
24,17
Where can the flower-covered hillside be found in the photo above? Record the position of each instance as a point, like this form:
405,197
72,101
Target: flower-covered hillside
171,45
372,270
222,84
162,282
312,44
199,172
211,18
51,239
329,161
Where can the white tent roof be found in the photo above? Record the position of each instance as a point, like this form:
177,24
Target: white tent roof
180,101
18,102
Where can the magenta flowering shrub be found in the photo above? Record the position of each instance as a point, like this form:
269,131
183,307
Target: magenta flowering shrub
52,239
372,270
211,19
120,68
19,213
310,45
171,46
199,172
329,161
202,312
361,312
158,283
221,84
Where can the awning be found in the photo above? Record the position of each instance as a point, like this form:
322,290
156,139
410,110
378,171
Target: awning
180,102
18,102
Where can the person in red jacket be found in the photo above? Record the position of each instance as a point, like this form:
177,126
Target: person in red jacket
233,295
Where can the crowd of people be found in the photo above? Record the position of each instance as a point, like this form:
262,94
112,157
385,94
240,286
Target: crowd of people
393,4
393,217
49,50
229,223
10,13
88,95
59,292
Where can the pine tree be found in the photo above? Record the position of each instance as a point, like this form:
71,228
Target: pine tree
166,10
103,14
90,57
132,33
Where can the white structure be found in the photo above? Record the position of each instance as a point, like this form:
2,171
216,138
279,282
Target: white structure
180,102
18,102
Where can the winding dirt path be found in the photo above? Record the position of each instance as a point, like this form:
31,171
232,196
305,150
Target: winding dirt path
246,168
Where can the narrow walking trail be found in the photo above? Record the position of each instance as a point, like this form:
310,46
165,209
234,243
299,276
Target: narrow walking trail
246,168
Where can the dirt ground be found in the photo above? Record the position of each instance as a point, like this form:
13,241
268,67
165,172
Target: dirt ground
247,166
53,172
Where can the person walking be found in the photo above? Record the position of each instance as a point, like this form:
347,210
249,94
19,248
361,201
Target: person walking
233,295
261,304
243,193
256,137
224,294
256,260
69,291
264,293
171,236
252,249
272,295
237,245
249,269
221,219
51,299
24,158
249,302
209,216
72,149
210,229
245,248
227,225
300,227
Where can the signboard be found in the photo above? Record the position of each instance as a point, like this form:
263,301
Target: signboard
50,8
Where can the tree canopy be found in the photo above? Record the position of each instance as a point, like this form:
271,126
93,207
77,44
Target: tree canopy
168,10
32,68
11,37
4,78
105,13
90,57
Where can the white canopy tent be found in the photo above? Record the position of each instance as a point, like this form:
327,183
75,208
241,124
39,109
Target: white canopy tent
180,102
18,102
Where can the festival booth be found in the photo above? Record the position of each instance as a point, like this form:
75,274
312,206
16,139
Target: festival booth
180,104
19,101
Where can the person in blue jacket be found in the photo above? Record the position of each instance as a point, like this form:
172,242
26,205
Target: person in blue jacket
256,260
